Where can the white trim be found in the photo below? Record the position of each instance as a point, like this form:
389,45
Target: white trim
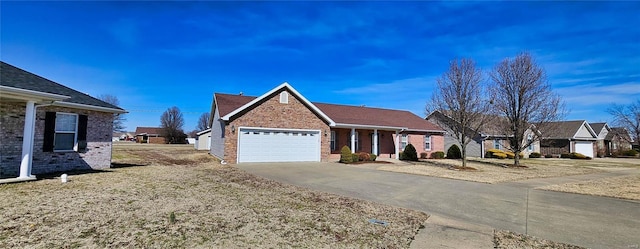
25,94
89,107
390,128
203,132
239,131
75,132
278,88
589,129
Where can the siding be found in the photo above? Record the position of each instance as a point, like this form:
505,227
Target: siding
473,148
217,135
583,132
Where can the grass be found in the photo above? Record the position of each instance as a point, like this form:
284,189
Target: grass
172,196
627,187
489,172
505,239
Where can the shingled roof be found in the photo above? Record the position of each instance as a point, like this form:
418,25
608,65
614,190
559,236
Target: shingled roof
343,114
11,76
148,131
563,129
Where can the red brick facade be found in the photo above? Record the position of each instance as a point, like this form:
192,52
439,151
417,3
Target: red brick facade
270,113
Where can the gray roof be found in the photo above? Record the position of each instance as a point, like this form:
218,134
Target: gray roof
12,76
619,131
597,127
561,129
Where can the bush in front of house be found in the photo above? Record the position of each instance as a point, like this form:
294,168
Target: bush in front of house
535,155
345,155
548,156
630,153
511,155
373,157
565,155
437,155
363,156
490,152
409,153
499,155
424,155
454,152
576,155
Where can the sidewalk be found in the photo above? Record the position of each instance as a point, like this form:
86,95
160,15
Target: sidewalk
446,233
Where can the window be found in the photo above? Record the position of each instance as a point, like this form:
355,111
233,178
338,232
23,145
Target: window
284,97
530,141
427,142
496,144
66,130
403,141
333,140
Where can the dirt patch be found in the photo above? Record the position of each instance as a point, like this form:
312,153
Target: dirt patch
627,187
489,172
201,204
510,240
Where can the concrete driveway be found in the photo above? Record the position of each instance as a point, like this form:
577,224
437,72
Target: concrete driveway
589,221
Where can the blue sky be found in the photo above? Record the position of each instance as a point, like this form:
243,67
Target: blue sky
154,55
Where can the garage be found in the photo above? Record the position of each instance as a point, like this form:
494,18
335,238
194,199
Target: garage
278,145
584,147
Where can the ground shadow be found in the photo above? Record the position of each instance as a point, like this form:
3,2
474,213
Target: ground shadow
57,174
125,165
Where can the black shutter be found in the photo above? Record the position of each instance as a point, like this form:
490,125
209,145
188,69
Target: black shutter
82,128
49,131
82,132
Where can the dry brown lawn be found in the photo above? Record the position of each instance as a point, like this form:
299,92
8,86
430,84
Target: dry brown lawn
510,240
490,173
172,196
627,187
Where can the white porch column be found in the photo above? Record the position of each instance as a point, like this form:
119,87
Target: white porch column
27,140
397,145
375,142
353,140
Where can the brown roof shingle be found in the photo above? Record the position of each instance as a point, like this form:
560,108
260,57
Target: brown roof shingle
149,130
343,114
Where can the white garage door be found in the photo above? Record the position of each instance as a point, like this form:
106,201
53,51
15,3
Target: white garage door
271,145
585,148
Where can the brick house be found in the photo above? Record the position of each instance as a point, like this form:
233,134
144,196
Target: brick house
568,137
149,135
47,127
492,136
282,125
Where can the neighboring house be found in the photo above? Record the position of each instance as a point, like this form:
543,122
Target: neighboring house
123,136
617,141
568,137
282,125
149,135
490,137
602,144
48,127
203,140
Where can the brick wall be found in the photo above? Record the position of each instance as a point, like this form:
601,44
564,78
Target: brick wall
273,114
96,156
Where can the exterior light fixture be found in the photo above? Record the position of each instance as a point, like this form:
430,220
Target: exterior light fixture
233,128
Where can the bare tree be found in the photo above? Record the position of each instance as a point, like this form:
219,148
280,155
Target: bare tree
118,119
203,122
628,117
523,96
459,95
171,122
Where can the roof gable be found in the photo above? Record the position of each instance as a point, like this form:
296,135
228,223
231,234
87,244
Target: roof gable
341,115
283,86
11,76
569,129
149,130
598,128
